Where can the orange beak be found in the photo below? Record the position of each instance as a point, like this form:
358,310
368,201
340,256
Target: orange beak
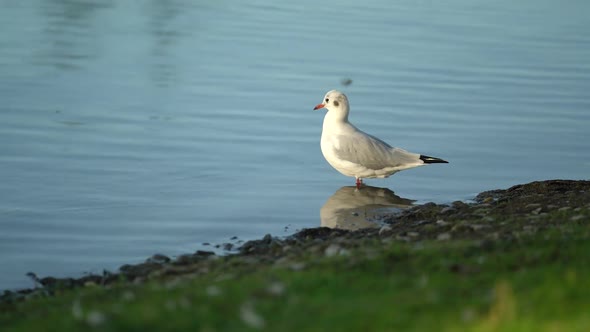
318,106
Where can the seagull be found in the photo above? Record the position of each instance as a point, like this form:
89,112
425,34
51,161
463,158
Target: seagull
353,152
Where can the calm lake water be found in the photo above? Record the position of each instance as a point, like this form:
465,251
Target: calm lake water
129,128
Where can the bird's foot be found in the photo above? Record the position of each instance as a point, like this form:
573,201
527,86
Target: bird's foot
359,183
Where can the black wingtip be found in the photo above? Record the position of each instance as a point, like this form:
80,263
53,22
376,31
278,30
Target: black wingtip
432,160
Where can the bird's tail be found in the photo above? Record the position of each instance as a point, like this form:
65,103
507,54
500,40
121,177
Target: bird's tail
432,160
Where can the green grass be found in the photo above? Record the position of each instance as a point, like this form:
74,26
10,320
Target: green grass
537,282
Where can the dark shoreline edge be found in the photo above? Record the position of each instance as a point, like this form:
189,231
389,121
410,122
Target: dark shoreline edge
496,215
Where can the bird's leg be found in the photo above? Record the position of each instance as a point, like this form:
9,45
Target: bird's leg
359,182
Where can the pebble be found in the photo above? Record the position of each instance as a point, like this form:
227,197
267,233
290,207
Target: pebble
95,318
183,259
212,291
477,227
250,317
386,240
529,229
458,204
441,222
77,310
422,222
332,250
384,230
173,283
276,288
578,217
443,236
447,210
204,253
400,237
493,236
158,258
297,266
344,252
481,212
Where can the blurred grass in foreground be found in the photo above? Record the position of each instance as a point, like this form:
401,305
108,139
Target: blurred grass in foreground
538,282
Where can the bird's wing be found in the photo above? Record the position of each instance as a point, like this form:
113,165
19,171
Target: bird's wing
369,151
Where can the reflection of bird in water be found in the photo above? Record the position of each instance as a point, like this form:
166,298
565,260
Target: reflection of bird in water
351,208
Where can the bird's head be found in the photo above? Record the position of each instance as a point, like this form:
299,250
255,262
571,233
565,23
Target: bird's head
334,101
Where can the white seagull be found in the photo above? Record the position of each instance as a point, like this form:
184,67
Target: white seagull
353,152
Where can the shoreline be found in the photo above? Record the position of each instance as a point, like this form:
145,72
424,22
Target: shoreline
511,260
458,221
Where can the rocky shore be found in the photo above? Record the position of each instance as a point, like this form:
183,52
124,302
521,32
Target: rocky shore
493,216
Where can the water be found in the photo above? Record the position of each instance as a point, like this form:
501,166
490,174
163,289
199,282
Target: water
132,128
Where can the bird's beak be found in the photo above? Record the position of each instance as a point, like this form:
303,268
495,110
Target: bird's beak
318,106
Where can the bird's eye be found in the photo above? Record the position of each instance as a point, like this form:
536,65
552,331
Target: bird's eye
327,100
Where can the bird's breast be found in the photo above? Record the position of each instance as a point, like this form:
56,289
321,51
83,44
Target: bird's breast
329,142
